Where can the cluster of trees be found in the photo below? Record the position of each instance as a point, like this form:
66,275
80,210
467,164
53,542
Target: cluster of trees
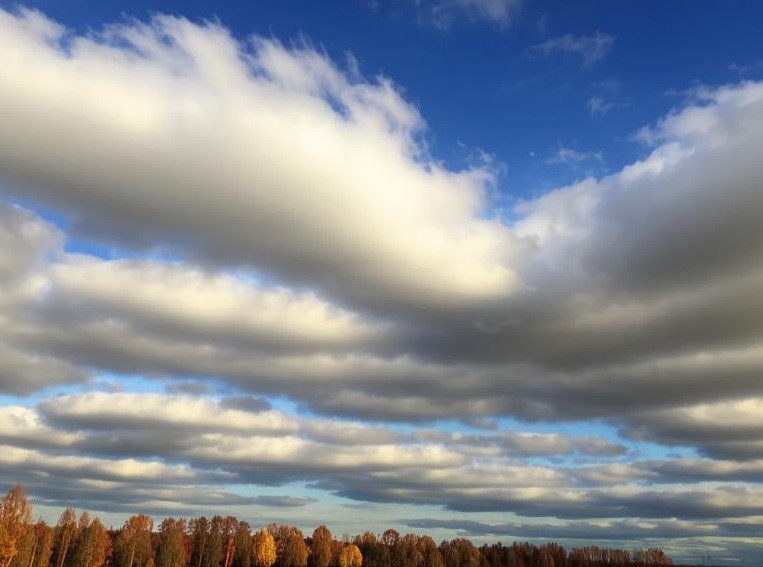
227,542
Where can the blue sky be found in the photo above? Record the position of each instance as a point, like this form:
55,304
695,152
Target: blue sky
482,268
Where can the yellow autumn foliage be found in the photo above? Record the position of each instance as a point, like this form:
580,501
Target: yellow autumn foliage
350,556
263,549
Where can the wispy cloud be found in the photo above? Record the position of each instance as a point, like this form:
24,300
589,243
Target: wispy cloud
744,69
570,155
597,106
591,48
443,13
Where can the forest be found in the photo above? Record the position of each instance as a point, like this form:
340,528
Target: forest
83,541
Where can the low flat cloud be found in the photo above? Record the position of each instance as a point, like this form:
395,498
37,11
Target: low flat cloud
722,430
601,531
128,444
283,501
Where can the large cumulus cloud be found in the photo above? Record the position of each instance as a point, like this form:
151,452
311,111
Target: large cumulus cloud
319,179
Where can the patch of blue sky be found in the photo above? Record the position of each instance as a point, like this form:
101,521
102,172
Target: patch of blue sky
77,243
133,383
644,450
56,218
283,404
100,382
254,278
27,401
102,247
297,489
317,507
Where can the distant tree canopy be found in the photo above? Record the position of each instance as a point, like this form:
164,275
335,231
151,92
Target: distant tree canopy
228,542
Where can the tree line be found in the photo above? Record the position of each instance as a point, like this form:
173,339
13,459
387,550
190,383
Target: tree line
82,541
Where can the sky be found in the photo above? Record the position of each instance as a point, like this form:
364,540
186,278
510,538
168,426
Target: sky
469,268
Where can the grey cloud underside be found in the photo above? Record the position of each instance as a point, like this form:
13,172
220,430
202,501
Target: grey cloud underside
612,531
698,504
100,339
246,403
22,373
159,500
722,430
283,501
190,388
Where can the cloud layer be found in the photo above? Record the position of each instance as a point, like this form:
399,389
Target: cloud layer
247,226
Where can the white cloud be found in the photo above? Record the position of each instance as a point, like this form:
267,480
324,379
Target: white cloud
92,468
597,106
24,427
591,48
185,300
261,157
93,410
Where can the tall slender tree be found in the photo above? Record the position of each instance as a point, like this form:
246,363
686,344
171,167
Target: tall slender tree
172,547
133,543
43,549
242,556
230,524
460,552
294,550
430,554
15,522
213,552
92,546
322,547
199,533
66,530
